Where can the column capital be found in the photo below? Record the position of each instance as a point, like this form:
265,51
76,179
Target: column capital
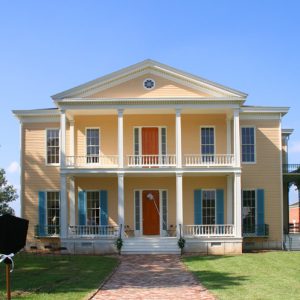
62,111
179,174
72,122
236,112
178,112
120,112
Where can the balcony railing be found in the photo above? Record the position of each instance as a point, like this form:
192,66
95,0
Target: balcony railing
168,160
93,231
93,161
208,230
196,160
47,231
291,168
256,230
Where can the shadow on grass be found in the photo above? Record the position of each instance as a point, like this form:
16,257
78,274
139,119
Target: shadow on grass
35,275
214,280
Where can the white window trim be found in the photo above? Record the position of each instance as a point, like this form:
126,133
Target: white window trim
159,139
154,84
99,136
255,192
241,145
215,144
208,190
141,231
46,208
86,205
46,147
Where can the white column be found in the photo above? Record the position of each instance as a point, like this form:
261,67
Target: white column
63,120
229,199
120,138
178,139
63,207
237,205
72,202
179,205
236,136
121,201
228,121
72,138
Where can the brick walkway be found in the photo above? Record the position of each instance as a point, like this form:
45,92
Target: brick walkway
161,277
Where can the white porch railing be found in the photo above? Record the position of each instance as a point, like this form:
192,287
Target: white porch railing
195,160
92,161
168,160
208,230
93,230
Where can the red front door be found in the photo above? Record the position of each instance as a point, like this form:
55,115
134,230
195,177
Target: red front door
150,147
151,213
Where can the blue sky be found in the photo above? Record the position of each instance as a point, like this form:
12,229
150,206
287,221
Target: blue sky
49,46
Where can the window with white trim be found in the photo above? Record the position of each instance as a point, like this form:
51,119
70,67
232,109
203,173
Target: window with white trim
248,144
207,144
92,145
249,211
53,220
52,146
208,207
93,207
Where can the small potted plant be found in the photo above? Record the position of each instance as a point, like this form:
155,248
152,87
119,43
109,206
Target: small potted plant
119,244
181,244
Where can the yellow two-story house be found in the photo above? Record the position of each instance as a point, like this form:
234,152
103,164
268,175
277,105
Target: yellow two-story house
150,154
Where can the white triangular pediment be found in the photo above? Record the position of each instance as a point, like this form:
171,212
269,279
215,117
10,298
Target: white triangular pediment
169,82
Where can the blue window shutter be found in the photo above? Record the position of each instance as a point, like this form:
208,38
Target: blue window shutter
198,207
42,213
220,207
82,207
260,212
103,208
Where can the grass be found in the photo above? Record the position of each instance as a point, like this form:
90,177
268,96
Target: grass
269,275
56,277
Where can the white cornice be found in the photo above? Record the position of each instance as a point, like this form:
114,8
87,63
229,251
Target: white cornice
287,132
264,110
37,115
142,68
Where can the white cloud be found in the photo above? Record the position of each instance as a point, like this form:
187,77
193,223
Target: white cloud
295,147
14,167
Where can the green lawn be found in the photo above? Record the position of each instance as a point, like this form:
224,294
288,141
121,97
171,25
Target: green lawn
269,275
56,277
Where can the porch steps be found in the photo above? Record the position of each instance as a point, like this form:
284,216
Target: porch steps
150,245
292,241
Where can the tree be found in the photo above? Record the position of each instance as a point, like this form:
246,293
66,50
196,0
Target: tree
7,194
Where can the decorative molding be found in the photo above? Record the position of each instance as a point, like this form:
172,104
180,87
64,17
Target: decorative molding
147,66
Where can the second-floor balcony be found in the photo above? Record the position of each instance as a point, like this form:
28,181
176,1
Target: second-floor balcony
150,161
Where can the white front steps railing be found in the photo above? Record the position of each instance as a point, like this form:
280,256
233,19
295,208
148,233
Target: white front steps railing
93,161
208,230
93,231
195,160
168,160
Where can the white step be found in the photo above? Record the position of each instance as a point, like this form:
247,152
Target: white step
150,245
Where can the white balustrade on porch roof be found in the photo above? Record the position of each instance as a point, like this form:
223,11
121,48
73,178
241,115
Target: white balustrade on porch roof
168,160
93,230
93,161
208,230
194,160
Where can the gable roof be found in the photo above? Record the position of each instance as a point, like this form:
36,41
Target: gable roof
147,66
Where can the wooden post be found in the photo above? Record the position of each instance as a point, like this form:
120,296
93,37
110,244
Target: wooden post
8,281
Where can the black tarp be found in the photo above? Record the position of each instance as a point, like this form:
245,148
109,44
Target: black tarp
13,232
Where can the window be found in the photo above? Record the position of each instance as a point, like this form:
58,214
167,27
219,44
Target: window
149,84
137,210
92,145
207,144
248,144
93,208
164,210
53,212
249,211
52,146
208,207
